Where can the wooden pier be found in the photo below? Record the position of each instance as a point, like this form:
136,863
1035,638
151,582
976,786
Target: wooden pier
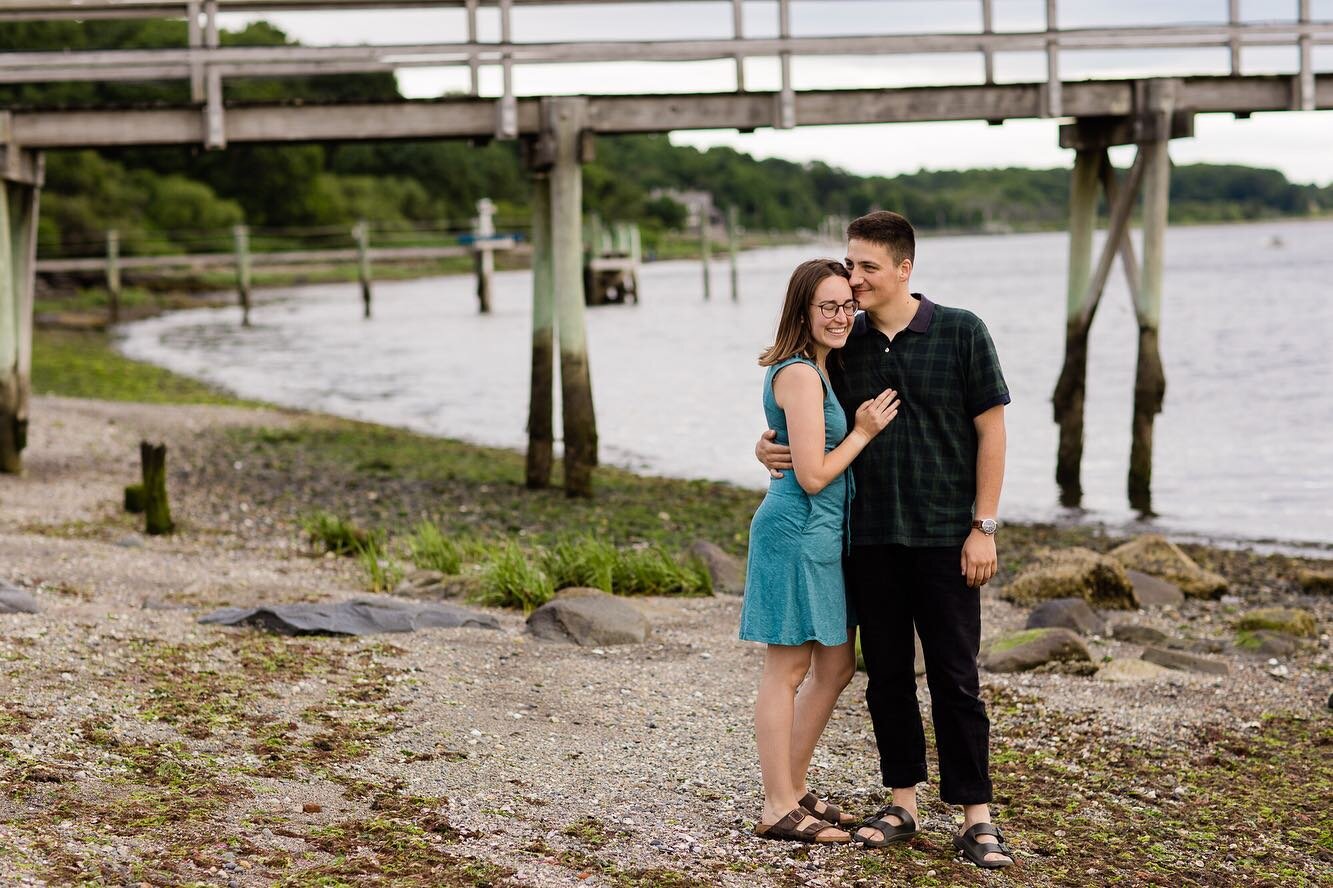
558,132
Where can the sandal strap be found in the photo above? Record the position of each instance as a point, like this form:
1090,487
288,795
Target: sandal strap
876,821
831,813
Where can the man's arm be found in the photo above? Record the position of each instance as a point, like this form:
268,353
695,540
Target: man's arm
774,456
979,561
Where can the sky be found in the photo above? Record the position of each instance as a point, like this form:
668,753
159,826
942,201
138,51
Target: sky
1298,144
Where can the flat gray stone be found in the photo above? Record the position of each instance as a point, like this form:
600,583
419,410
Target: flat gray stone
1067,613
1135,633
726,570
366,615
1129,671
14,600
1031,648
1154,592
1184,662
590,618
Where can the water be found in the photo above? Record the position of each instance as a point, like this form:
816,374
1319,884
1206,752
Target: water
1244,445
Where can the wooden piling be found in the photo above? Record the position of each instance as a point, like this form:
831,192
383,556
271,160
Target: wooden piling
733,252
1069,390
157,513
706,248
361,232
1149,376
19,198
241,236
113,275
483,255
565,118
540,430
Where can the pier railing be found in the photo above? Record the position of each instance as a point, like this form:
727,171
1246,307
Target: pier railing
207,65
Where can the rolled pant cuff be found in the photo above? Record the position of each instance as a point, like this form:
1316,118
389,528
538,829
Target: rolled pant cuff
902,778
980,795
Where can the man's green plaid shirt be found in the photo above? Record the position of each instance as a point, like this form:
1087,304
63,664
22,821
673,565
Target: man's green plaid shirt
916,481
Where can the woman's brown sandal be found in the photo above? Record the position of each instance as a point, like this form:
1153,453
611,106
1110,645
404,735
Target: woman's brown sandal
790,829
831,813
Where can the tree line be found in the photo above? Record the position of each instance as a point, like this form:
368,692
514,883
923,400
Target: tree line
168,199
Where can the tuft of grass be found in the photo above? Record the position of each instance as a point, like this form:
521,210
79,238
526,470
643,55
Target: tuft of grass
651,571
335,534
432,550
582,561
512,581
383,574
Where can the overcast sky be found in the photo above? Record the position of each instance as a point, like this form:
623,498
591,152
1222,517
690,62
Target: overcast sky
1299,144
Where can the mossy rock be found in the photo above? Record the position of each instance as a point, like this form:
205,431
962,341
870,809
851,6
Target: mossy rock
1073,573
1316,582
1266,643
1158,556
1287,620
1033,649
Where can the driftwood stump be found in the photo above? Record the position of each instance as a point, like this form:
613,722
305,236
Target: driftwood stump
157,513
134,499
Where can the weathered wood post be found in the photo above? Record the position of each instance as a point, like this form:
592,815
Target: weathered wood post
1149,377
705,246
20,194
733,250
157,513
483,231
540,432
361,231
113,275
563,125
241,236
1069,390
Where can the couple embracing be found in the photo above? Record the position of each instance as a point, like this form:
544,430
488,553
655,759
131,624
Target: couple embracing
886,451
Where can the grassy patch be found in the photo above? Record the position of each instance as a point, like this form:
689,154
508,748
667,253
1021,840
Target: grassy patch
512,581
81,364
432,550
330,533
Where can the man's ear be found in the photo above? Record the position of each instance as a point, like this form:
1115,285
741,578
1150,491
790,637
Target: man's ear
904,269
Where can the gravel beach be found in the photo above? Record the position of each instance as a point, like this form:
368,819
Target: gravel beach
140,747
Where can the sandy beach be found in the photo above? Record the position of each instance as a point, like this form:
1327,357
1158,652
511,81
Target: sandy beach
140,747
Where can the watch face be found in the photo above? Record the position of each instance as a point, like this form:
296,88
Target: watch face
988,525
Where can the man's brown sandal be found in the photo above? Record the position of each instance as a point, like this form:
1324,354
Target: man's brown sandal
789,828
905,829
831,813
974,846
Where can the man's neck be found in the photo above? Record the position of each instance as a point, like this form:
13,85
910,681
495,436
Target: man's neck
895,314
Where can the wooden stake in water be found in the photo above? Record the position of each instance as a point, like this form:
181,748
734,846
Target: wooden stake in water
361,232
733,250
564,119
241,235
540,429
113,275
484,256
705,247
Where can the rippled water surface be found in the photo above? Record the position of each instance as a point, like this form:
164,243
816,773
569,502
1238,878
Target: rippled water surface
1244,446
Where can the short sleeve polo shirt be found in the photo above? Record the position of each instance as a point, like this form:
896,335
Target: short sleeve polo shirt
916,481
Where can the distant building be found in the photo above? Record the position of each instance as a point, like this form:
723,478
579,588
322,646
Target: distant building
697,204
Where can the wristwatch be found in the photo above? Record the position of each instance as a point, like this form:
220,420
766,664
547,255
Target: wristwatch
988,526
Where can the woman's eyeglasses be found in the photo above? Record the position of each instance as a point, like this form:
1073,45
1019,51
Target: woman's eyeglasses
831,309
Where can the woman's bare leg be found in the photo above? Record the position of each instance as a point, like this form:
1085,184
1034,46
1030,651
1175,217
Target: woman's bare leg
832,670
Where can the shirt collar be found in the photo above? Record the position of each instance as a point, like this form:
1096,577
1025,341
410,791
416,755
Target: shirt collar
920,321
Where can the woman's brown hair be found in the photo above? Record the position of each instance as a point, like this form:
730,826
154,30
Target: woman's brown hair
793,336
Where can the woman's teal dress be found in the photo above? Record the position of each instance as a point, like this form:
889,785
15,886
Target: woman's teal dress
794,589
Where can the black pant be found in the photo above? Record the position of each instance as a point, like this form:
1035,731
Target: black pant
892,588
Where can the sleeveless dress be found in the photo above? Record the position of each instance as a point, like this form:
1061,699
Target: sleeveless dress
794,589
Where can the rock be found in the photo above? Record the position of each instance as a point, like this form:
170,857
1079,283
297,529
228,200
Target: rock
130,542
1132,670
1316,582
1073,573
1197,645
1021,651
919,660
589,617
1159,557
433,585
14,600
421,578
1067,613
1266,643
1288,620
1183,661
1151,591
1136,633
365,615
726,570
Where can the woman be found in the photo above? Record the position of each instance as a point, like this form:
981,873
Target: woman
794,597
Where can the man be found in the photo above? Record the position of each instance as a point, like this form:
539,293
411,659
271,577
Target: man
922,528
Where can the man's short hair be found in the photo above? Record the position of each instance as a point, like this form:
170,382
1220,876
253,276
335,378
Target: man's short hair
889,230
